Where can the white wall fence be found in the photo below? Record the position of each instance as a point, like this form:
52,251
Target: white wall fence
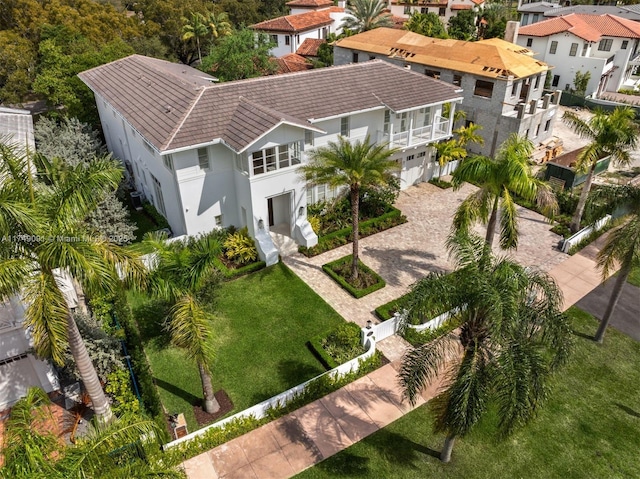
392,326
571,241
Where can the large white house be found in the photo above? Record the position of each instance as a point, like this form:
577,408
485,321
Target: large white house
606,46
212,155
445,9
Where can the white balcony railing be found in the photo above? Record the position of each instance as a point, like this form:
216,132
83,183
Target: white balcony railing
421,135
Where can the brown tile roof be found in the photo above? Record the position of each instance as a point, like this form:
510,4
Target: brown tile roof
493,58
309,3
478,2
588,27
142,92
461,6
309,48
293,62
398,22
296,23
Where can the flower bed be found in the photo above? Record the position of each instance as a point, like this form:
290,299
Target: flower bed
339,270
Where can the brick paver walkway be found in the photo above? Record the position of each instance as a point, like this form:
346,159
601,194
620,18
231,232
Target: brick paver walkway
291,444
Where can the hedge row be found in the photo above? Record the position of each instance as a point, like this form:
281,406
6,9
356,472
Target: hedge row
441,183
232,273
386,310
356,293
321,354
393,217
157,218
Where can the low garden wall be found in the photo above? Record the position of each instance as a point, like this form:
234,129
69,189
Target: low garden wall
584,232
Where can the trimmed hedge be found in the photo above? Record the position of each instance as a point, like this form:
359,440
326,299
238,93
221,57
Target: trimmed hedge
441,183
356,293
157,218
232,273
386,310
336,339
315,344
393,217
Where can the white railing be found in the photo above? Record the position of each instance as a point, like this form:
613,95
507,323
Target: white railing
260,410
571,241
391,326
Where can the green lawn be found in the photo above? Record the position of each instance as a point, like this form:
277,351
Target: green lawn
265,321
634,277
589,428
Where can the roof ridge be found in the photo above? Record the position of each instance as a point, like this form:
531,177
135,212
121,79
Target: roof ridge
184,118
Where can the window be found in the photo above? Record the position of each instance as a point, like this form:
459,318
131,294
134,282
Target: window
605,45
432,73
553,47
422,154
483,88
556,80
574,50
525,19
218,220
410,158
203,158
457,80
274,39
157,189
407,9
387,122
537,83
514,88
537,130
424,10
529,42
354,57
526,133
442,11
274,158
168,161
372,57
585,46
344,126
308,137
625,44
536,17
547,125
287,40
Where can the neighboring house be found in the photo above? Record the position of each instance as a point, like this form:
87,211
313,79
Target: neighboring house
535,12
309,48
445,9
604,45
502,83
214,155
290,31
19,369
292,62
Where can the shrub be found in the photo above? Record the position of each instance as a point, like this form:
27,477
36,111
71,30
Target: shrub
119,388
562,230
157,218
418,338
315,223
339,346
376,200
240,247
440,183
387,310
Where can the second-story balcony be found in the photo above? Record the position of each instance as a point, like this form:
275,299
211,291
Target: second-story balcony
418,136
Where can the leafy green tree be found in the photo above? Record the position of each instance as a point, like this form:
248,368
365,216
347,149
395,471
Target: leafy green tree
365,15
622,246
243,54
355,165
183,271
580,81
495,16
44,215
513,337
195,27
463,25
17,66
243,12
614,134
427,24
469,134
449,150
219,25
499,180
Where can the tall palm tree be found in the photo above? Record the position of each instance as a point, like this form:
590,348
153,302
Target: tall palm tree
469,134
512,338
365,15
622,246
44,220
614,134
195,27
219,25
499,180
181,272
355,165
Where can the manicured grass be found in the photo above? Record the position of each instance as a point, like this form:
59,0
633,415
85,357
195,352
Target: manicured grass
265,320
634,277
587,429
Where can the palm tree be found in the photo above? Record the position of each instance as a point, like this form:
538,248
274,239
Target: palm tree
365,15
469,134
622,246
355,165
613,134
181,274
44,218
513,336
499,180
449,150
195,26
219,25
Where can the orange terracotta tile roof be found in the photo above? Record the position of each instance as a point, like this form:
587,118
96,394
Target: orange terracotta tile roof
398,22
293,62
478,2
494,58
588,27
296,23
309,48
422,3
461,6
310,3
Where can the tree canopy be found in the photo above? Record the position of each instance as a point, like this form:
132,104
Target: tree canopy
428,24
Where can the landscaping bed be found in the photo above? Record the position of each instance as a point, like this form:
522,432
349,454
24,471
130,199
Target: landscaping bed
339,346
368,280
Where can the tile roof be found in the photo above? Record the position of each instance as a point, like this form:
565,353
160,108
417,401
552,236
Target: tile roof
461,6
630,12
588,27
309,47
309,3
292,62
16,127
172,112
492,58
296,23
478,2
538,7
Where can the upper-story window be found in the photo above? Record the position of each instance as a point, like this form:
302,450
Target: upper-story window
168,161
274,39
585,47
407,9
514,88
483,88
442,11
287,40
203,158
605,45
457,80
537,83
387,122
308,137
529,42
354,57
625,44
345,127
574,50
275,158
432,73
553,47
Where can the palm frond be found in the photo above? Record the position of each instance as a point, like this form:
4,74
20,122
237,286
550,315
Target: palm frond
190,328
508,221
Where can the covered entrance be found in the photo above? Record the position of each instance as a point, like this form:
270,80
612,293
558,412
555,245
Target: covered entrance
279,211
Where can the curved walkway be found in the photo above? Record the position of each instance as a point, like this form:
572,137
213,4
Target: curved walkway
293,443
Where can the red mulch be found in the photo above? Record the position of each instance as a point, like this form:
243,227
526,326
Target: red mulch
226,405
